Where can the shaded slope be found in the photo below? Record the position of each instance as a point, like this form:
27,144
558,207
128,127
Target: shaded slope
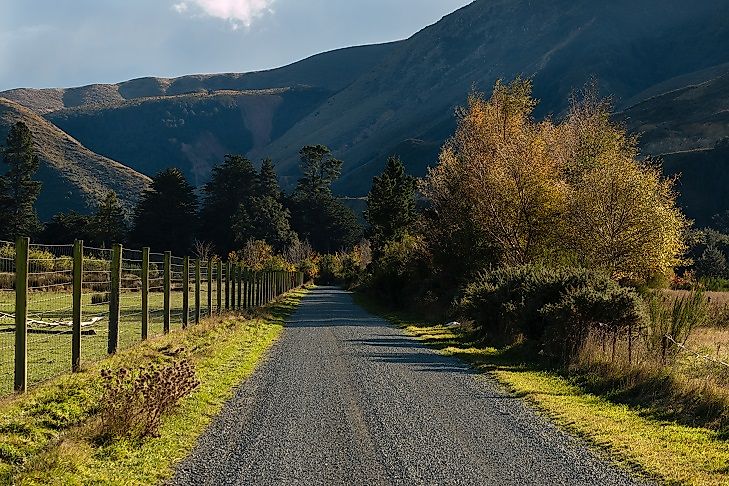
193,131
562,44
74,177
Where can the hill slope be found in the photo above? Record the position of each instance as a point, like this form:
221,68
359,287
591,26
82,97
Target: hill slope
192,131
74,177
331,71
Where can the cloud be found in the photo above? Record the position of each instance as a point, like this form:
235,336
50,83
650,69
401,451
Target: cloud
238,12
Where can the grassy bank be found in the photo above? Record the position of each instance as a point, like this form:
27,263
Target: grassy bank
633,435
48,435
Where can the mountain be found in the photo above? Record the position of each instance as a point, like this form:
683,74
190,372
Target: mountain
74,177
654,57
191,131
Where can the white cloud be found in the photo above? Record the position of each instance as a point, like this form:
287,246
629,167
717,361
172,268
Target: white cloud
238,12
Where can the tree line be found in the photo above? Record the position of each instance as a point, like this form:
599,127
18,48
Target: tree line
239,204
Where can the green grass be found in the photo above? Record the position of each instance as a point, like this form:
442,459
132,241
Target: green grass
50,354
47,435
626,434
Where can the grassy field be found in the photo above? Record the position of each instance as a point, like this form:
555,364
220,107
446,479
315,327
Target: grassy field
48,435
49,354
641,438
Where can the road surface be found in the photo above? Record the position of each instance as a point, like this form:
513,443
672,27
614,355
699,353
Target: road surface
345,398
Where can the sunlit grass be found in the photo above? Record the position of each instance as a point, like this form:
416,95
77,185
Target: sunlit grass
627,435
47,436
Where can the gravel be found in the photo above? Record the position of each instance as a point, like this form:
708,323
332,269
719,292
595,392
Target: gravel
345,398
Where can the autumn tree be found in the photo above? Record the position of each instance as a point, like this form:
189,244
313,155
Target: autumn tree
18,190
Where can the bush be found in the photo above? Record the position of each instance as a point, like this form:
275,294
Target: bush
554,306
98,299
676,318
401,271
134,402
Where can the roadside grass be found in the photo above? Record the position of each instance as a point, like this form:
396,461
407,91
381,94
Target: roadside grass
630,435
48,436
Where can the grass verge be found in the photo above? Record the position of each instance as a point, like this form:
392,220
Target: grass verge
627,434
47,435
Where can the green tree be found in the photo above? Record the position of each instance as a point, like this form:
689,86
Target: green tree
712,263
391,203
319,169
108,225
65,228
268,181
265,218
166,216
233,183
18,190
316,215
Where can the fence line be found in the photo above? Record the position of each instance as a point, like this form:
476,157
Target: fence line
705,357
65,305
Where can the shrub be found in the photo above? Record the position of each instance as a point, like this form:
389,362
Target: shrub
555,306
134,401
97,299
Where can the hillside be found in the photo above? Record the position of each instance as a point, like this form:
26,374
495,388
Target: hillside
331,71
74,177
192,131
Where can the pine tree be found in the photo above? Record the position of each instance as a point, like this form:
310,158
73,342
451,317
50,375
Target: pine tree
18,190
391,203
233,183
319,169
108,225
316,215
166,216
268,181
265,218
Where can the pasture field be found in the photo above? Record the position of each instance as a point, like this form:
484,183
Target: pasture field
49,348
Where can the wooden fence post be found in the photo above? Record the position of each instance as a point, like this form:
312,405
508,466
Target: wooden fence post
185,292
21,314
239,274
145,293
219,290
78,270
114,299
227,286
210,287
167,278
198,275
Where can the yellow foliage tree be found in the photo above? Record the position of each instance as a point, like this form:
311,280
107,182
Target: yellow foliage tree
573,192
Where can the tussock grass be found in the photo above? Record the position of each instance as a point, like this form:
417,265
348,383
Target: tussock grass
644,419
48,435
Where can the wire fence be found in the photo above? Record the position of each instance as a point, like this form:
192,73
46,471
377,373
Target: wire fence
82,303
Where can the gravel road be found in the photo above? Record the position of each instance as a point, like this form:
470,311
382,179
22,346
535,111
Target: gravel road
345,398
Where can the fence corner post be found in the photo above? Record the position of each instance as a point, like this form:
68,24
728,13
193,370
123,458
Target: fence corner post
114,299
78,269
21,314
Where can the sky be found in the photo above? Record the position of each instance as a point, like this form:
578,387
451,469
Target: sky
63,43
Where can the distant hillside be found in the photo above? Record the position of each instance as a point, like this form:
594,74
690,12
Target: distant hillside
330,71
74,178
193,131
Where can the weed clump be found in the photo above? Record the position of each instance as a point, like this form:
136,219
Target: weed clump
134,401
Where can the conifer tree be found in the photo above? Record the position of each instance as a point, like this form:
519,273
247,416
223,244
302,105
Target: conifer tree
18,190
233,183
166,216
391,203
108,225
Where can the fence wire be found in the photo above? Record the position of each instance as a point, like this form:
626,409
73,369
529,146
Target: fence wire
50,310
50,303
7,319
96,291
